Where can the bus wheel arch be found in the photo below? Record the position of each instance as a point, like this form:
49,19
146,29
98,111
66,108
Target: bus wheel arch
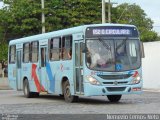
25,78
64,79
26,89
67,92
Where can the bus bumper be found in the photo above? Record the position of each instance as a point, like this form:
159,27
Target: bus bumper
97,90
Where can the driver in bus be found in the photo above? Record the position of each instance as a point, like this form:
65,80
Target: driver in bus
94,59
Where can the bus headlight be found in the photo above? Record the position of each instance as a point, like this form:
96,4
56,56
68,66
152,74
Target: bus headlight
136,80
92,80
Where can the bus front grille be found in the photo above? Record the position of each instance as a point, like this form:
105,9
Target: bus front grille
111,83
115,89
115,77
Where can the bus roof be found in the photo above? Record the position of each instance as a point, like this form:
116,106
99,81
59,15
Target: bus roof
63,32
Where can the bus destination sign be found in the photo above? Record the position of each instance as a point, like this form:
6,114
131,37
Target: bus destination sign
111,31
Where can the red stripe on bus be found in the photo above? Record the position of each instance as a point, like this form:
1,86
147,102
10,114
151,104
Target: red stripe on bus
135,74
34,76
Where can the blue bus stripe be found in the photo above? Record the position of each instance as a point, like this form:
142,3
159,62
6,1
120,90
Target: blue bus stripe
51,78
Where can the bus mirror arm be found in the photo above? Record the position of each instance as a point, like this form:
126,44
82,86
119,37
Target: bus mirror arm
84,50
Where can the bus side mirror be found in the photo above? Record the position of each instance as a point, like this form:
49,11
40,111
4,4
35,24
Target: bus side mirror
142,50
84,50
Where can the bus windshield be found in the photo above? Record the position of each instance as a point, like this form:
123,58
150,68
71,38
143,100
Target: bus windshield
113,55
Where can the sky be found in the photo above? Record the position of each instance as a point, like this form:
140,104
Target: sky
151,8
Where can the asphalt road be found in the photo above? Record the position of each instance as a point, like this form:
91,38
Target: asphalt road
13,102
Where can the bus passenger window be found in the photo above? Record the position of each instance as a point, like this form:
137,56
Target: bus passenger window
55,49
67,48
34,51
43,57
12,54
26,51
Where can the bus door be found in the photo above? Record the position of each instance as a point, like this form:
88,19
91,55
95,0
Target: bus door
18,69
78,67
43,74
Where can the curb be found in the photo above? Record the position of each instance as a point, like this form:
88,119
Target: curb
151,90
4,85
5,88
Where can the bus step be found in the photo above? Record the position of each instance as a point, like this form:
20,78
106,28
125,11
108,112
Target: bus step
44,93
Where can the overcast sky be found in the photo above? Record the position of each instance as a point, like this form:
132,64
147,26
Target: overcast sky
151,8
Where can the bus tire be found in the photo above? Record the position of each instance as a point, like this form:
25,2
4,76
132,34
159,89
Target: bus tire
35,94
67,94
26,89
60,95
114,98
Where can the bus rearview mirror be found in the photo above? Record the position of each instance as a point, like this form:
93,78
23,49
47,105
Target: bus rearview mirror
142,50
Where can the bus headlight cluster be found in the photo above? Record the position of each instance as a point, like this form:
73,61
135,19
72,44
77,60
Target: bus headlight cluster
136,80
92,80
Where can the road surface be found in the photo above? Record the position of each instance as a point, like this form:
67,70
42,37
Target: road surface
13,102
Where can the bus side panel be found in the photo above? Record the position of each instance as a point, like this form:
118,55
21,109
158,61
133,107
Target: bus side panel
12,76
51,71
27,73
53,87
61,69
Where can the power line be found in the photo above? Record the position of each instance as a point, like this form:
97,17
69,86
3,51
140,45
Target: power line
122,13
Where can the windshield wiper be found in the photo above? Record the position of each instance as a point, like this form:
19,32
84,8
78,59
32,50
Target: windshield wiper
120,45
104,44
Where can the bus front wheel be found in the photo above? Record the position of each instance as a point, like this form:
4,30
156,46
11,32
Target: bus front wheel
67,93
114,98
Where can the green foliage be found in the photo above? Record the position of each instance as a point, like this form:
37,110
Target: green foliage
148,36
3,51
68,13
133,14
22,18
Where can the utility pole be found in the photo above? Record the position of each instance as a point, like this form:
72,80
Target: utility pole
43,17
103,12
109,11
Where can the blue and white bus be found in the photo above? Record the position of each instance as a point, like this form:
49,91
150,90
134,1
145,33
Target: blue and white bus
89,60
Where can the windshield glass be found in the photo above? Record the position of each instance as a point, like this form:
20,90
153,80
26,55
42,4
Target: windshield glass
113,55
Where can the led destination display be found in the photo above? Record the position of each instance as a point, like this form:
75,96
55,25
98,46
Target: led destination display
111,31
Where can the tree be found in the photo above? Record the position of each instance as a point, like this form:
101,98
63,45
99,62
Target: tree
3,51
4,21
133,14
62,14
23,17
